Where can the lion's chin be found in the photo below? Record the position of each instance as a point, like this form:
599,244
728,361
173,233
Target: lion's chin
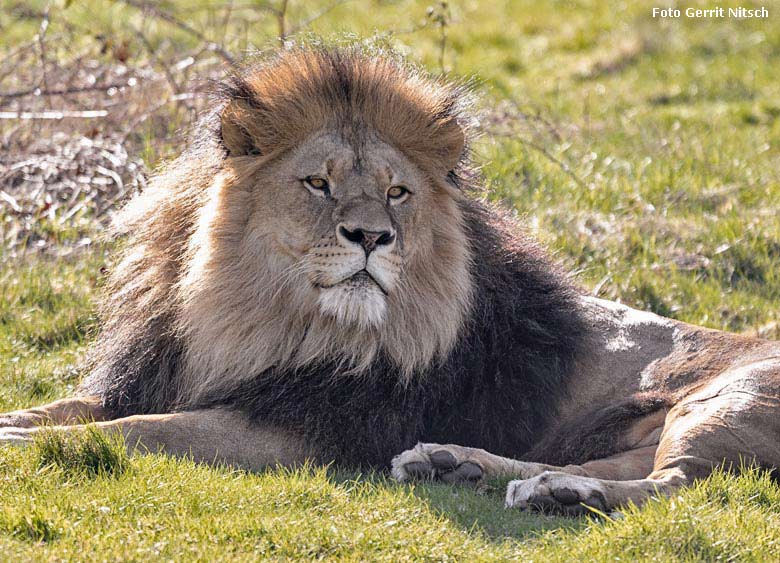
352,303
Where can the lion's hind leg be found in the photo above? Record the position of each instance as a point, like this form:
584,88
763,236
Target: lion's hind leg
64,412
731,421
602,484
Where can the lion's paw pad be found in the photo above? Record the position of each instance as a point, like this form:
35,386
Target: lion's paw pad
434,465
557,493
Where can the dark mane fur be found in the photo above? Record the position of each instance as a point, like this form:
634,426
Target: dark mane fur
511,364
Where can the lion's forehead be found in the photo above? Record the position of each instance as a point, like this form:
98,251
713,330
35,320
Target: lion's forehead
372,160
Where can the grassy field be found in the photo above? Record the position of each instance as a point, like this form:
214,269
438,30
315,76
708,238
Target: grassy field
644,152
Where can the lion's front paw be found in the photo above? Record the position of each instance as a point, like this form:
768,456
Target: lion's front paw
16,436
448,463
558,493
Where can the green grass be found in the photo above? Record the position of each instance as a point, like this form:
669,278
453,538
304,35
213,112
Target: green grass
163,509
92,453
672,131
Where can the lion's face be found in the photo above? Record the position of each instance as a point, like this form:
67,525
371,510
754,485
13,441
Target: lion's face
348,220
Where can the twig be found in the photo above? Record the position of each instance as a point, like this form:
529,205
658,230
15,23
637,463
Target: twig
563,166
62,91
311,19
41,45
281,18
254,6
537,117
441,16
30,45
53,114
151,111
409,30
10,201
166,69
540,149
171,19
226,22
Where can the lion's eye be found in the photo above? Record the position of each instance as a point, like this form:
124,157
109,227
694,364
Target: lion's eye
317,184
397,194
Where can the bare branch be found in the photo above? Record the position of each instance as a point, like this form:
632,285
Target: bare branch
226,22
42,46
153,54
536,117
62,91
541,150
563,166
281,18
10,201
53,114
171,19
308,21
133,125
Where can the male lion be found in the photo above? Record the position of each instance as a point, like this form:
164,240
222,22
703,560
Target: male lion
316,278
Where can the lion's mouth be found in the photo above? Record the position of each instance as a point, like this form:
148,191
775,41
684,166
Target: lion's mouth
364,277
359,280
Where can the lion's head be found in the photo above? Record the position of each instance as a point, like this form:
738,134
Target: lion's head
314,247
329,230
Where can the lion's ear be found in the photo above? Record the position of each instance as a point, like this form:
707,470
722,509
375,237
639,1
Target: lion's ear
451,142
236,137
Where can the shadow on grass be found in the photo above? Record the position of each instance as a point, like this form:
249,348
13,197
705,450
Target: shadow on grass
469,508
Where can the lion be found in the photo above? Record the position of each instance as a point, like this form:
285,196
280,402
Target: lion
318,277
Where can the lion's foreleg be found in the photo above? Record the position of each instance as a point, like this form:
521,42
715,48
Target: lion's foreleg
76,410
207,436
603,484
453,464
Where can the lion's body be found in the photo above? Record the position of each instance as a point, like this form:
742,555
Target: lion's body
316,278
368,418
483,394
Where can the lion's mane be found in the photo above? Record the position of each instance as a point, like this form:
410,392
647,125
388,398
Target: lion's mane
515,338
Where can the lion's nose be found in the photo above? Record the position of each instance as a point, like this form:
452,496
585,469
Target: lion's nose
369,240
